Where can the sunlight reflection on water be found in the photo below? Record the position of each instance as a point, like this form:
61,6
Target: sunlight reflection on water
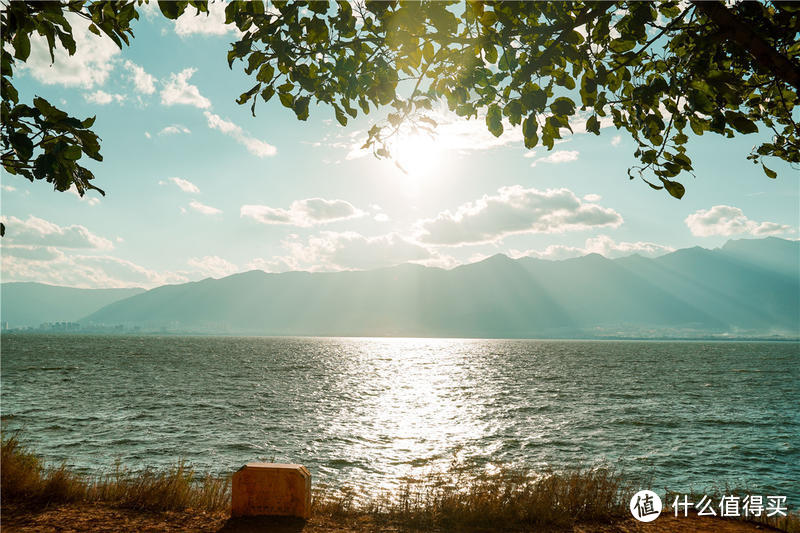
369,411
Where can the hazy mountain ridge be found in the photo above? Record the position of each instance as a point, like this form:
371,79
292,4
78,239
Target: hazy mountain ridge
25,304
747,287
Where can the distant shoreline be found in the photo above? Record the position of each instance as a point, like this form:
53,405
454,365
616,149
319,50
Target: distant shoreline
16,331
314,336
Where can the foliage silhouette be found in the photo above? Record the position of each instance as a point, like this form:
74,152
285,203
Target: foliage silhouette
657,70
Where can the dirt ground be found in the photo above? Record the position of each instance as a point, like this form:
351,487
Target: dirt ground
98,518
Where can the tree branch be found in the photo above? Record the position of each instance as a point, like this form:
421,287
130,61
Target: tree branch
740,33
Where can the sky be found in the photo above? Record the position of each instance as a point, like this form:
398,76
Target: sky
197,187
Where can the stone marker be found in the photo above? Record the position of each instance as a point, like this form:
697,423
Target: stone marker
274,489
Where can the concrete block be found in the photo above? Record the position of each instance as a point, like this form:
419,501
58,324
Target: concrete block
271,489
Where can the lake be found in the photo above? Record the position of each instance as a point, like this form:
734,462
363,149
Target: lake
366,411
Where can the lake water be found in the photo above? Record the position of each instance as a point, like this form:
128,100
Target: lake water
365,412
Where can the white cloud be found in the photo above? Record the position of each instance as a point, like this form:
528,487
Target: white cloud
350,250
37,231
144,82
602,244
605,245
592,197
515,210
174,129
102,98
728,220
381,217
554,252
90,66
218,123
213,266
177,90
204,209
276,264
9,188
149,10
50,265
303,213
255,146
616,140
212,23
559,156
147,134
35,253
184,185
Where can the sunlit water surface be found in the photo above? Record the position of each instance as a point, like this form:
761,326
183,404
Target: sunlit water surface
365,412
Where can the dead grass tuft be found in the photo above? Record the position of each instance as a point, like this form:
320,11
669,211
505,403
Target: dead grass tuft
515,499
25,478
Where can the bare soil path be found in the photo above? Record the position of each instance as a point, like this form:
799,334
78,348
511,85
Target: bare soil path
73,518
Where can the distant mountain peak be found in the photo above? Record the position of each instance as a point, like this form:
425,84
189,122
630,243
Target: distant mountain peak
499,257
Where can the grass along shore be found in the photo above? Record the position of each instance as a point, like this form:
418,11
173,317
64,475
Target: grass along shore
450,501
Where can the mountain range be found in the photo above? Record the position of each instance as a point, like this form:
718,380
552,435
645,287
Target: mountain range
27,304
746,288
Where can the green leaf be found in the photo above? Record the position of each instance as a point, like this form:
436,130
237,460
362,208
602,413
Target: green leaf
22,145
674,188
317,31
301,107
508,61
72,153
265,73
267,93
427,52
287,99
491,53
535,99
593,125
22,45
529,127
494,120
340,116
769,172
244,97
741,123
563,106
170,9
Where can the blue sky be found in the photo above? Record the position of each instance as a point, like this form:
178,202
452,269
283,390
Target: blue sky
197,187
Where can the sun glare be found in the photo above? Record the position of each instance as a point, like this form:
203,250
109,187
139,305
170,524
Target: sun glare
418,155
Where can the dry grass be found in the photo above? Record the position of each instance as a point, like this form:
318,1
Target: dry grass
454,500
507,499
24,477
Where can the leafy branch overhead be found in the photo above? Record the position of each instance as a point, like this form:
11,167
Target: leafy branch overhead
660,71
40,141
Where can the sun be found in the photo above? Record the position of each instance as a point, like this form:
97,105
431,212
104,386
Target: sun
417,155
